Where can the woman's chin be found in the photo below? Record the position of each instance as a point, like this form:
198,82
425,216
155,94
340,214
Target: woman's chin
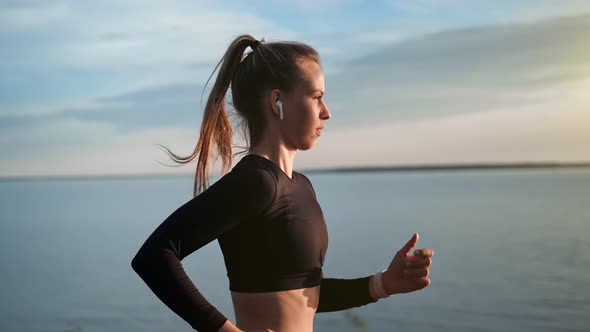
306,145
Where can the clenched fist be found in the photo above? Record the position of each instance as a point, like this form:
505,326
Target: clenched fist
407,273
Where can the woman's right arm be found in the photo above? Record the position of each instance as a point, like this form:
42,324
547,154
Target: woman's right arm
237,196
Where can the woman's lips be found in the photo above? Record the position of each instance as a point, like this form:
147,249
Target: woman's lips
319,131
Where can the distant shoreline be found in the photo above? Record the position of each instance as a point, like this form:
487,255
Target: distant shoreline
357,169
451,167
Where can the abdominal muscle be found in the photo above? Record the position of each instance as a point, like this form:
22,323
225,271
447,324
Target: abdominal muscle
283,311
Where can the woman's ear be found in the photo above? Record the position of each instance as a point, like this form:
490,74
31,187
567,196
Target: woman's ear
275,102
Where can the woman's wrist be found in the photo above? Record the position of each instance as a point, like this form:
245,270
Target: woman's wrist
376,287
371,291
389,288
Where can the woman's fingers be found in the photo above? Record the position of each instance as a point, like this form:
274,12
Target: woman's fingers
420,272
422,282
424,252
418,262
409,245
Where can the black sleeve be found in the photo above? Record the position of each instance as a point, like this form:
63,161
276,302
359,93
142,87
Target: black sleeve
342,294
237,196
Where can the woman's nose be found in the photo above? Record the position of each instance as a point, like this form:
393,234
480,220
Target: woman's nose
326,113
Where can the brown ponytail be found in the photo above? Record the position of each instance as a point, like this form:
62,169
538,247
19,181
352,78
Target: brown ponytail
270,65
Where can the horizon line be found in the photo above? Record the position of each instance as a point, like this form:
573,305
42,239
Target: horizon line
351,169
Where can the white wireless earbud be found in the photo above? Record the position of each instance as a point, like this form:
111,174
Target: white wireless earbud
280,107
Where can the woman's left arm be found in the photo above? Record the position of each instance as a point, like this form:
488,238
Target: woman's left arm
405,274
341,294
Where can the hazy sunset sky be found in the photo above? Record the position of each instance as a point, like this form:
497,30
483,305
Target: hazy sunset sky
89,87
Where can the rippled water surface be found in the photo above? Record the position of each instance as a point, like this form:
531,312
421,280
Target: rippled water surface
511,251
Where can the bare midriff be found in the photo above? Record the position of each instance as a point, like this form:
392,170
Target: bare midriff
284,311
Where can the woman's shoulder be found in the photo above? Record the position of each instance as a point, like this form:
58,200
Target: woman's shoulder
303,176
247,184
305,181
254,175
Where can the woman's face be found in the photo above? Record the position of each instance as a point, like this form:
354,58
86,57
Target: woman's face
304,108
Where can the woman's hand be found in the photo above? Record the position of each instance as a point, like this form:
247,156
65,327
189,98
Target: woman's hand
408,273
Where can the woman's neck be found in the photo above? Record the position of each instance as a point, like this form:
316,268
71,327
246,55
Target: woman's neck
278,154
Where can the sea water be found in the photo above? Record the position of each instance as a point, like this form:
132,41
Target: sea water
511,250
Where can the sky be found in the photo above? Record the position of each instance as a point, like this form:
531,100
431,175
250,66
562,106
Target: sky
91,88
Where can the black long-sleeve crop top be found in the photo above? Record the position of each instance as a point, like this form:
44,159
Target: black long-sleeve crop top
271,231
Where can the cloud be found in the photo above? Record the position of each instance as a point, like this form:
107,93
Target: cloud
94,49
89,125
314,6
552,131
41,140
115,153
154,34
499,11
472,69
456,95
27,15
419,6
461,70
171,105
535,10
